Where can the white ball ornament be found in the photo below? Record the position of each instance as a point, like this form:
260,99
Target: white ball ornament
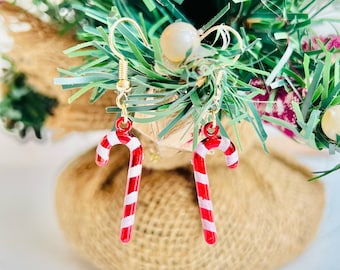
330,122
177,38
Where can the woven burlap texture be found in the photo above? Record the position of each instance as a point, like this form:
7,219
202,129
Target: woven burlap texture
266,213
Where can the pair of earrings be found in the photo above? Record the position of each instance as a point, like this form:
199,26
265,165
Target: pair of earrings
212,141
122,135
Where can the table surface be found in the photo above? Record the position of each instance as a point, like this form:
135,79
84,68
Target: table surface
29,234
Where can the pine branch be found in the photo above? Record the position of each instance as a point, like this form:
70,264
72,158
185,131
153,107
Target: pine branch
22,108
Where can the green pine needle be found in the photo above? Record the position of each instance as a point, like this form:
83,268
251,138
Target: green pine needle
22,108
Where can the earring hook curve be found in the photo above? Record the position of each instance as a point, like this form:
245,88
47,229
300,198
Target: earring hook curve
123,85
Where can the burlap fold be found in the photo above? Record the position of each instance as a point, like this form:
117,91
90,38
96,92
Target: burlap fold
266,213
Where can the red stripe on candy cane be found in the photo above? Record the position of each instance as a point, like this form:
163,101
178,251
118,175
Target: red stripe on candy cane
122,136
212,141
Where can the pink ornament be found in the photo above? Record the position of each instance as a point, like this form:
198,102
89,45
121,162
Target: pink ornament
331,41
212,141
122,136
282,107
334,43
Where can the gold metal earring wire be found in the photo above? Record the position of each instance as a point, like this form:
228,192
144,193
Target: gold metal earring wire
123,85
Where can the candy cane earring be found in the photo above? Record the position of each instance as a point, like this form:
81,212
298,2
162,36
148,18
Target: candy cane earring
212,141
122,135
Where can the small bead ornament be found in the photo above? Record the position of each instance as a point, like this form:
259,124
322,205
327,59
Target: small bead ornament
330,122
177,39
212,141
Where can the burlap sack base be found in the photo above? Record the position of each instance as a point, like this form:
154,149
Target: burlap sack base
266,213
38,52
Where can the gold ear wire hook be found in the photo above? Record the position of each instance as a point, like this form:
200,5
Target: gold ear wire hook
226,38
216,101
123,85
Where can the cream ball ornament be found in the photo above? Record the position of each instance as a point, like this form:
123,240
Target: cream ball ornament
177,39
330,122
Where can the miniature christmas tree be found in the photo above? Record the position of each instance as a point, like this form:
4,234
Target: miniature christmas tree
188,76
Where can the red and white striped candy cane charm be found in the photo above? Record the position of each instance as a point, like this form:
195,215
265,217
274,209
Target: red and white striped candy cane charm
122,136
212,141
